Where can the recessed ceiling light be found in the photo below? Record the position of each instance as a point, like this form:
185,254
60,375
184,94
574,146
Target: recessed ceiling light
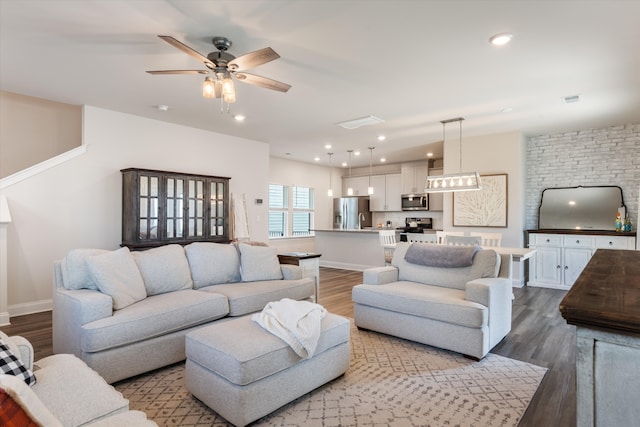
162,107
381,138
429,154
500,39
382,160
344,164
239,117
356,153
328,146
316,159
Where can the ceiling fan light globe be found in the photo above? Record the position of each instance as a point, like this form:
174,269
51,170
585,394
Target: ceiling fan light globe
209,88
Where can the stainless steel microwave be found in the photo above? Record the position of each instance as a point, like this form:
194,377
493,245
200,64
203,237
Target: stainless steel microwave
415,202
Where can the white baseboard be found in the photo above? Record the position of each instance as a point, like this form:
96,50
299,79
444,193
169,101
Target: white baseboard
30,308
4,319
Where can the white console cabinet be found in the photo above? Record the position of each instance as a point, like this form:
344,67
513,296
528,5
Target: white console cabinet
560,258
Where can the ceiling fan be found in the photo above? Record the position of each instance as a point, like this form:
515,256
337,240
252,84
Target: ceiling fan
224,65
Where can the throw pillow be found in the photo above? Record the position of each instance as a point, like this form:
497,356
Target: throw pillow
117,275
259,263
213,263
75,271
163,269
21,406
12,345
11,365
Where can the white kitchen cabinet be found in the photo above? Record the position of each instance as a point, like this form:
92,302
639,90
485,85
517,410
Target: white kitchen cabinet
360,185
436,200
575,260
387,194
560,258
413,178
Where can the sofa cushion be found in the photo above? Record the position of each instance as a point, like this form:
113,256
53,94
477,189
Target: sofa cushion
21,406
10,364
163,269
432,302
68,388
154,316
117,275
213,263
75,271
486,263
249,297
259,263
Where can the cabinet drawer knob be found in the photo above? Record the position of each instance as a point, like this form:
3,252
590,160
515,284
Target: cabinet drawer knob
548,240
557,266
610,243
577,242
566,267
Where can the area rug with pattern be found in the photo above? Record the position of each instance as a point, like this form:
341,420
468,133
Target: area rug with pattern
390,382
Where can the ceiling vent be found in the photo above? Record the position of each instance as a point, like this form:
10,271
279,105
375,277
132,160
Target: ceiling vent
571,99
358,123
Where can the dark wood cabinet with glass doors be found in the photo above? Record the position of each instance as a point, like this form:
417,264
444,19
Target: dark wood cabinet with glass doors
160,207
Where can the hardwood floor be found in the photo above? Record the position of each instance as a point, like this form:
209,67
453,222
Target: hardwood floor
539,335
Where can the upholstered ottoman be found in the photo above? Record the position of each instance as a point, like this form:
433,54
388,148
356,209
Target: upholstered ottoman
243,372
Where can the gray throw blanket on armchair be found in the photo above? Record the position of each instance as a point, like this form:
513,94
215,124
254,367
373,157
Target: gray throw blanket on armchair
441,255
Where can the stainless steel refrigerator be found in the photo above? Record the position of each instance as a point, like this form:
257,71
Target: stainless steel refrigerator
351,213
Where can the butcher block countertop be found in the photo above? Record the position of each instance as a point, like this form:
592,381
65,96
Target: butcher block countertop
607,293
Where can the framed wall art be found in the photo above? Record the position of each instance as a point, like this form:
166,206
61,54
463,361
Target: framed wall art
482,208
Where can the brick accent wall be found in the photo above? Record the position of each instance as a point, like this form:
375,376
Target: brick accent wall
609,156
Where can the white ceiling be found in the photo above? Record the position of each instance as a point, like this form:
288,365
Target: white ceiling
410,63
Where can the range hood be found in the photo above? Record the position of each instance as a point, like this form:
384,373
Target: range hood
580,208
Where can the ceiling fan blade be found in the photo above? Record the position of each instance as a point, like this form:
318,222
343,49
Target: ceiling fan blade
263,82
253,59
178,72
186,49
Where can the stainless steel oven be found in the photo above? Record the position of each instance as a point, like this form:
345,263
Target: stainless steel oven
415,202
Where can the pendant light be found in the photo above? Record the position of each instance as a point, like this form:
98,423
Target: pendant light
370,189
350,188
461,181
330,191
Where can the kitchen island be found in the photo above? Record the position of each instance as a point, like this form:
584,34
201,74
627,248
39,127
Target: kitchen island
350,249
603,305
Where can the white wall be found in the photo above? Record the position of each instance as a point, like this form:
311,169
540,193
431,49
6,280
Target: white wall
292,173
491,154
78,204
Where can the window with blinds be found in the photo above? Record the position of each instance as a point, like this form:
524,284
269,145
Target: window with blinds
300,211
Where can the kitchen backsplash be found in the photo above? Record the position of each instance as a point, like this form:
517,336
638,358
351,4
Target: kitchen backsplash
397,218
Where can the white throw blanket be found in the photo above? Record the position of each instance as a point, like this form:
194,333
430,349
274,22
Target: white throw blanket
295,322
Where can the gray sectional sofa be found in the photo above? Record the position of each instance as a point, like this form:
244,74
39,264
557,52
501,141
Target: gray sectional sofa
464,308
125,313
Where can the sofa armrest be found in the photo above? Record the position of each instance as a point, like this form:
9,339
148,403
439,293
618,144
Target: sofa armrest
496,294
291,272
489,291
380,275
25,348
71,310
